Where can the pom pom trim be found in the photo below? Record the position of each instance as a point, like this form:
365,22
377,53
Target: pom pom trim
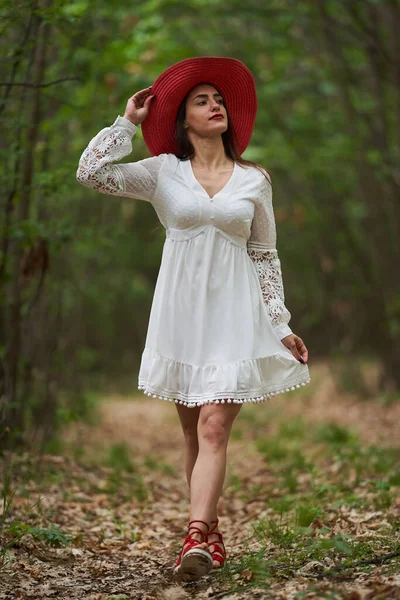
255,399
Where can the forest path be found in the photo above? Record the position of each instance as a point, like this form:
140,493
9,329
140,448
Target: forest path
121,493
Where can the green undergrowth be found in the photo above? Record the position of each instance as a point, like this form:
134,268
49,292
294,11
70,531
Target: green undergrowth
287,550
26,479
324,506
126,478
115,470
14,526
331,512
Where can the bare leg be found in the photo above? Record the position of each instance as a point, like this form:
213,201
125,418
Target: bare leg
189,418
214,427
206,430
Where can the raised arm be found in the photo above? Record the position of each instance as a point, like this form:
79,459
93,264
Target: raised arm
97,169
261,248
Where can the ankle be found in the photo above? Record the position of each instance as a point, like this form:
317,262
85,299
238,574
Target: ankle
196,536
214,526
215,531
199,524
198,529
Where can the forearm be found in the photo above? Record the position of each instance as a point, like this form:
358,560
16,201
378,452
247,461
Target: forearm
269,273
96,169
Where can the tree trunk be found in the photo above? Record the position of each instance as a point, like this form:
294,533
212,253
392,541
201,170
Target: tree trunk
13,352
380,194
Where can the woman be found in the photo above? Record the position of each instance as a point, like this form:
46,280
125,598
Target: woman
218,333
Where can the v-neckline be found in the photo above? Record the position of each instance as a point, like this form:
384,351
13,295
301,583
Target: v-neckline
201,189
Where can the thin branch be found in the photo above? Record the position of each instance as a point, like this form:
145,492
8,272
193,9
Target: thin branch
18,54
40,85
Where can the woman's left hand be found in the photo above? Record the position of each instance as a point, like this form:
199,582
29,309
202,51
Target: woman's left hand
296,346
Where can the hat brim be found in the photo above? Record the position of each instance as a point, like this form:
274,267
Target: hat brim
232,79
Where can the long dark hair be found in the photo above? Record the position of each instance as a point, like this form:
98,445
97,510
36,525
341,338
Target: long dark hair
185,146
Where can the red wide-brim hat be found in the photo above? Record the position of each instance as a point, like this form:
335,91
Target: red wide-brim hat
231,78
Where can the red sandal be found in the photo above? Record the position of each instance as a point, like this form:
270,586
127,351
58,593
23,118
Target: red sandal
219,553
193,562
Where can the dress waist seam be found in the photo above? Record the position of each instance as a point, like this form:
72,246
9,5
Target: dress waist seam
184,235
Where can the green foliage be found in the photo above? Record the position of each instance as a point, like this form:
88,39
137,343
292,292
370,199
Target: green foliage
293,428
54,537
326,129
124,480
12,530
306,513
296,537
280,534
272,449
154,464
285,451
119,458
333,434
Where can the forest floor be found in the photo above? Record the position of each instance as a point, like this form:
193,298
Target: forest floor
310,508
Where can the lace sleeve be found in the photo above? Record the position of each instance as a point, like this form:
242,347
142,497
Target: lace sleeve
97,170
261,247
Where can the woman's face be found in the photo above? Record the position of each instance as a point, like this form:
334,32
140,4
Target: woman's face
202,105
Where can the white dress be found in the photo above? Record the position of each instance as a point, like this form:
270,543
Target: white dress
218,312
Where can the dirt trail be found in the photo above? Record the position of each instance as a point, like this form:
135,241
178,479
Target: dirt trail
128,547
151,427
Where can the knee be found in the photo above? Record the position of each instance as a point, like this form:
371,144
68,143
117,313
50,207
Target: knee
214,431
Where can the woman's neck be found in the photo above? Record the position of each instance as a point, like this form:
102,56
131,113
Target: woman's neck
209,153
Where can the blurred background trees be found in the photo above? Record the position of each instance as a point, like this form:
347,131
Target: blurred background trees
78,269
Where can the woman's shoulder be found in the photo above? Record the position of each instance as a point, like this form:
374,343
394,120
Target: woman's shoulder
169,159
165,157
159,162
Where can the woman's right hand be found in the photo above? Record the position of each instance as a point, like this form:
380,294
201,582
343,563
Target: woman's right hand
138,105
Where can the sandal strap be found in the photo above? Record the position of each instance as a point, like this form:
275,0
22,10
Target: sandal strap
194,529
219,558
219,540
214,526
189,542
219,551
190,526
